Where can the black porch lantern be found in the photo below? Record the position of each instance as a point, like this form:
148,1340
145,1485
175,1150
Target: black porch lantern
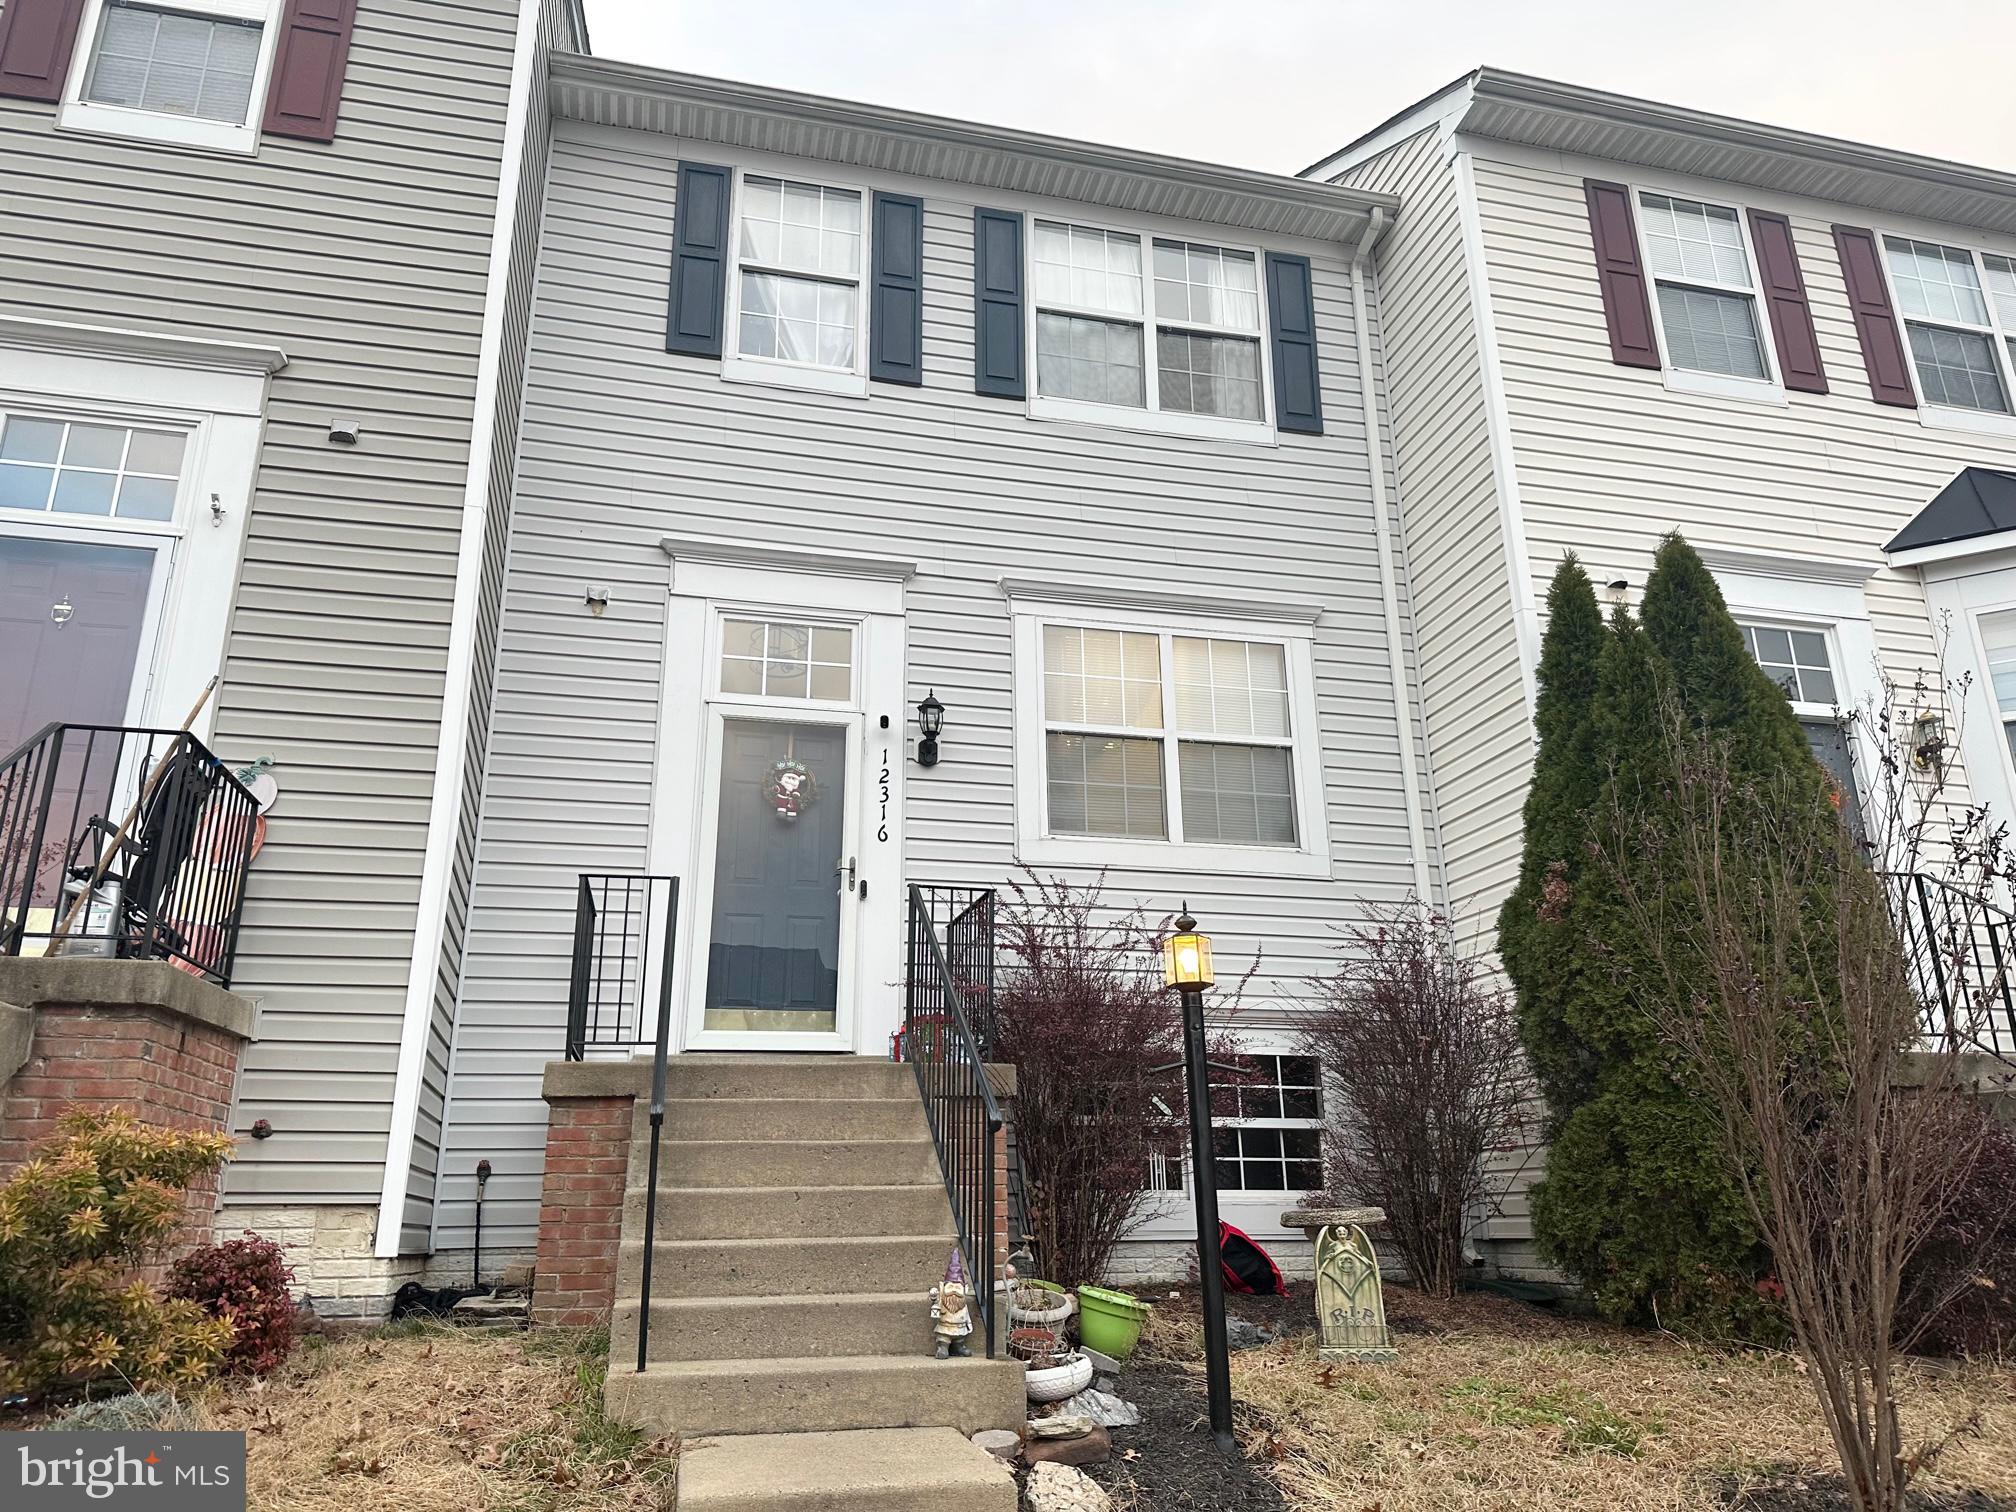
930,720
1187,970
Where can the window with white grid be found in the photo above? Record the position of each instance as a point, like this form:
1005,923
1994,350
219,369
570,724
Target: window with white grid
1704,286
1959,310
1159,735
74,467
1267,1122
799,252
191,72
1796,660
1159,325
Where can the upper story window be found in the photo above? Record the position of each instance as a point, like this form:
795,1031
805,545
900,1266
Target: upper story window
1157,325
1959,312
192,73
71,467
1706,289
799,251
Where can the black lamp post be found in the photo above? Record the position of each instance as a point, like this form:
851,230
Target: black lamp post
930,720
1186,966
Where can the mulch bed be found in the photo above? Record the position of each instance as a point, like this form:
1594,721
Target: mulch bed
1170,1463
1795,1491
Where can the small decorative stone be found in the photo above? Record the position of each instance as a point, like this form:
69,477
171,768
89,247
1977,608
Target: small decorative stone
516,1276
1060,1488
1093,1448
1002,1443
1063,1426
1104,1364
1103,1408
1240,1334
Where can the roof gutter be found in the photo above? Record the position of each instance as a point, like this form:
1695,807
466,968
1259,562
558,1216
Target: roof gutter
1389,580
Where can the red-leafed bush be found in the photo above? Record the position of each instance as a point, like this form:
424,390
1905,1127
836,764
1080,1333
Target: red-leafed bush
244,1281
1959,1294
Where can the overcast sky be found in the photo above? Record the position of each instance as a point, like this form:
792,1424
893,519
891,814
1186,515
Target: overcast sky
1278,83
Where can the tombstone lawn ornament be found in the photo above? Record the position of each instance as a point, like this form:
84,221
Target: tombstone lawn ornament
1350,1306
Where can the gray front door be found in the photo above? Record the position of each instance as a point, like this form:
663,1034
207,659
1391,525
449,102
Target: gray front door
774,940
71,616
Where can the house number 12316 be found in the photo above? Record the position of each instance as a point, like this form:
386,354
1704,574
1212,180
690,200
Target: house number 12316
882,829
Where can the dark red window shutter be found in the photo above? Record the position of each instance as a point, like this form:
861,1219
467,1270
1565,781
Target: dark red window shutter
1626,308
1799,364
36,40
1875,322
308,68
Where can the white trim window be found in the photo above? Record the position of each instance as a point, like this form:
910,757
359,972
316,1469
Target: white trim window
1271,1139
1959,310
1704,284
799,300
1799,659
52,465
1160,329
191,72
1168,745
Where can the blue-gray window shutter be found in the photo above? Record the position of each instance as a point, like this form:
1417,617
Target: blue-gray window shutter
998,365
896,301
1291,316
699,260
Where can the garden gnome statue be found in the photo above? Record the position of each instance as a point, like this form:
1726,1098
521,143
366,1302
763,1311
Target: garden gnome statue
951,1322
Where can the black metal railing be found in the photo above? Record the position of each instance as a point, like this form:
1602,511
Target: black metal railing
1960,948
964,919
126,843
623,928
939,1042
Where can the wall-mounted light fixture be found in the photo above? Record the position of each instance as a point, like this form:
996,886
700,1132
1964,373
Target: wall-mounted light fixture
1928,740
930,720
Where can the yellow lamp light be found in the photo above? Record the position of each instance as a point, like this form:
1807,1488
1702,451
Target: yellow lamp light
1186,956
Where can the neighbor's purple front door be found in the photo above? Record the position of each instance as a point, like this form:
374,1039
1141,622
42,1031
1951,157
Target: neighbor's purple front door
71,614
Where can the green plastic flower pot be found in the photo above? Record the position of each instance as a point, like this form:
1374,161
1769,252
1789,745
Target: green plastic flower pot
1110,1321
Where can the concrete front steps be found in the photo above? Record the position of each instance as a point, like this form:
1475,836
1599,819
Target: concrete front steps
802,1219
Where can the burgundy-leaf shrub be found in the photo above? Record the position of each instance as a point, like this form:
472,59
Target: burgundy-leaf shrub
1959,1294
1082,1014
245,1281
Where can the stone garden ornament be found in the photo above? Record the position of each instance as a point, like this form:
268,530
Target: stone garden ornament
951,1318
1350,1306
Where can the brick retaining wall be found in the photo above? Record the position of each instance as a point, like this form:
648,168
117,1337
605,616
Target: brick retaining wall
581,1208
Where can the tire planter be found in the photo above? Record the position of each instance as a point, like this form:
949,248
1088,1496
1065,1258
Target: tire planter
1053,1383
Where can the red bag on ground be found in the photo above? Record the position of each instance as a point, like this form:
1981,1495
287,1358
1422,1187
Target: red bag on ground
1248,1268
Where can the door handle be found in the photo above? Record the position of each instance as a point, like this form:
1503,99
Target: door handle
846,871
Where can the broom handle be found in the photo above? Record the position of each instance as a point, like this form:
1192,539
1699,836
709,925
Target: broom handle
132,816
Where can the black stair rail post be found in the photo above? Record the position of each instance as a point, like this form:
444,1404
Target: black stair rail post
959,1103
657,1117
50,741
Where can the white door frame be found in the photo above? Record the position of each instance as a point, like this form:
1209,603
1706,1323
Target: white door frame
710,580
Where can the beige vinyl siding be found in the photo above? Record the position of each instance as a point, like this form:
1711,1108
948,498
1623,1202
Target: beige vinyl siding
425,1173
365,260
624,443
1609,458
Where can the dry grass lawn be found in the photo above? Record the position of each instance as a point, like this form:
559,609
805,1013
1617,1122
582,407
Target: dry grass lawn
1494,1405
436,1419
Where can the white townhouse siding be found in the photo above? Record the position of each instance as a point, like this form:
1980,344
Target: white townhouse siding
1459,568
625,445
1792,496
363,265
